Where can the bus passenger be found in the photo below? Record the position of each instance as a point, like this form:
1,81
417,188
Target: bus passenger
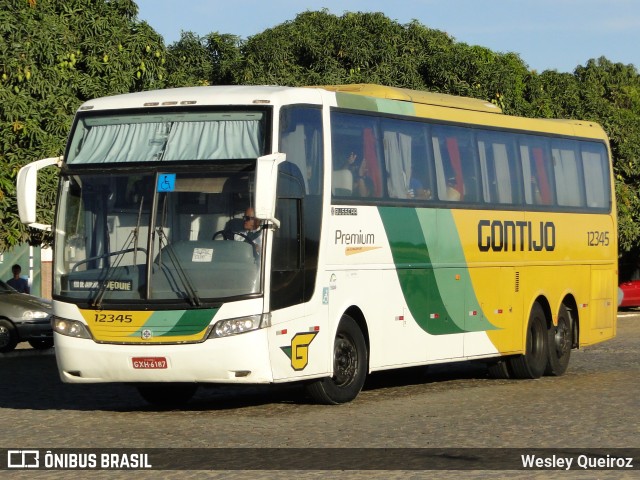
362,183
417,190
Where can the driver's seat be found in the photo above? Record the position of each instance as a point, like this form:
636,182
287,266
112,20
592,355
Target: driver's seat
235,225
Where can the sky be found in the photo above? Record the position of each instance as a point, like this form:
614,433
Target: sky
547,34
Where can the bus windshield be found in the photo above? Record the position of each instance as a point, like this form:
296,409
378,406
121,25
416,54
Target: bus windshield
157,235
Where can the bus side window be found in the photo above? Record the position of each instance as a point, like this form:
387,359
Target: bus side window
498,169
355,156
535,171
406,160
455,162
567,173
301,140
596,175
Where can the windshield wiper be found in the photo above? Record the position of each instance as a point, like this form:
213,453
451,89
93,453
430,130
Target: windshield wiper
132,238
182,275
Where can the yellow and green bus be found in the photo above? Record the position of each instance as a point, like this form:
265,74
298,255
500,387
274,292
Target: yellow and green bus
258,235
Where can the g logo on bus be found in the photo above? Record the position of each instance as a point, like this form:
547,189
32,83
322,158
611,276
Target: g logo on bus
146,334
298,352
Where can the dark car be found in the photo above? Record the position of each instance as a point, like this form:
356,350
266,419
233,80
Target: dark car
629,294
23,318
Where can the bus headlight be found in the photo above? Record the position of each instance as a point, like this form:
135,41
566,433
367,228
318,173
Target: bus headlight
234,326
70,328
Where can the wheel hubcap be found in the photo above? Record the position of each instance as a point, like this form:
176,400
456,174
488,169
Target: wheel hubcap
562,337
345,362
4,336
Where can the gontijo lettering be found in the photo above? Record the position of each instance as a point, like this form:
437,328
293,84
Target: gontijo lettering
504,236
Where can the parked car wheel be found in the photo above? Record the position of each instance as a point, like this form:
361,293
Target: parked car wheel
8,336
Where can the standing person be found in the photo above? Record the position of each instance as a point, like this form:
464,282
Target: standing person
17,282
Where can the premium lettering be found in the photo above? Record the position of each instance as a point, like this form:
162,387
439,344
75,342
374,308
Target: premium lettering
342,238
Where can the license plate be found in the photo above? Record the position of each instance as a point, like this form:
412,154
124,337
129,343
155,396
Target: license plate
149,362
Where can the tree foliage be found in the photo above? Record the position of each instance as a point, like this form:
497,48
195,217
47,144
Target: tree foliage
55,54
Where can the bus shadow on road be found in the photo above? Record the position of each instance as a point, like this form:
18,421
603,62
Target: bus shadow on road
30,381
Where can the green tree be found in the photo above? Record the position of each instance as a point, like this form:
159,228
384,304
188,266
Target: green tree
611,96
321,48
209,60
54,55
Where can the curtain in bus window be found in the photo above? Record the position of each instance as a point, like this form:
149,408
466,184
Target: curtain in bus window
136,142
397,155
446,176
503,173
441,179
371,157
540,177
293,144
454,156
213,140
567,175
596,178
526,175
488,174
496,172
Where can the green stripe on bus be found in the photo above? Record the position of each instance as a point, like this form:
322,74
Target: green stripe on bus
441,298
168,323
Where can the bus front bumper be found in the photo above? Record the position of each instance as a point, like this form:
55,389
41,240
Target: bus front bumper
240,358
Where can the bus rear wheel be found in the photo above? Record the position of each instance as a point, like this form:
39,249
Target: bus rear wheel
532,363
169,395
560,343
349,367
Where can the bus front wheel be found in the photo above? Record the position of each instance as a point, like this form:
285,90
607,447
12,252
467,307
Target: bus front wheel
532,363
349,367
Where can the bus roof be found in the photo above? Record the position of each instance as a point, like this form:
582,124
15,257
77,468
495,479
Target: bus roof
456,109
416,96
385,99
209,95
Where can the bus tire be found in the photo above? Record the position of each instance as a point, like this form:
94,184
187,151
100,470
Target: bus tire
169,395
349,367
8,336
560,343
532,363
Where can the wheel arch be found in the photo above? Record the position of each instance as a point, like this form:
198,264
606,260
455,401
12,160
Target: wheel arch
358,316
546,307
